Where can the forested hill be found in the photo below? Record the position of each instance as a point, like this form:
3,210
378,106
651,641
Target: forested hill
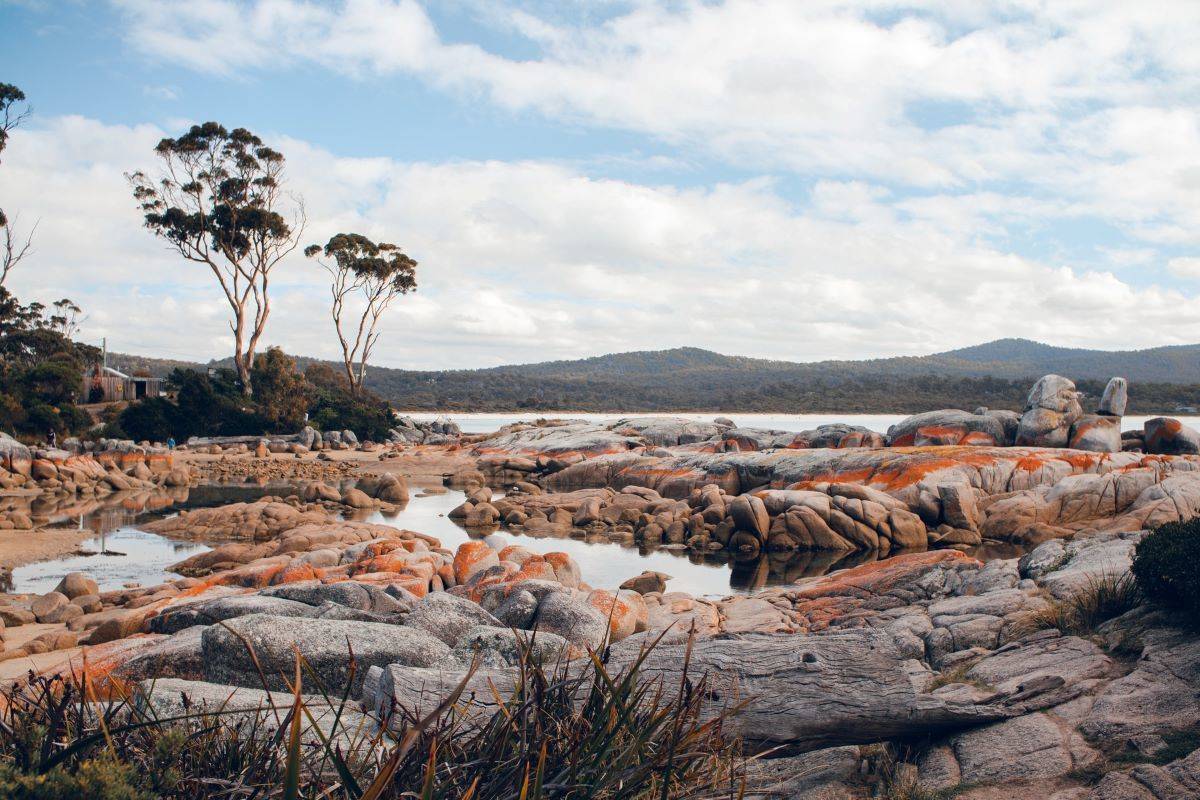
996,374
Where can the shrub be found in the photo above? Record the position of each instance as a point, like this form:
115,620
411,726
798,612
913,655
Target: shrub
96,779
1166,565
153,419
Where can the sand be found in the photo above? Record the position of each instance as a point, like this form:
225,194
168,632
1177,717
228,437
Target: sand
19,547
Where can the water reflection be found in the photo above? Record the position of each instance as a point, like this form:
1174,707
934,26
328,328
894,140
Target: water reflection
125,554
113,560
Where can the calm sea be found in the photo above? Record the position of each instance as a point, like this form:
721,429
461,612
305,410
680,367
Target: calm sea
485,423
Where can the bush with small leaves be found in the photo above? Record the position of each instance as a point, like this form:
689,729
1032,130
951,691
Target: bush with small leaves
1166,565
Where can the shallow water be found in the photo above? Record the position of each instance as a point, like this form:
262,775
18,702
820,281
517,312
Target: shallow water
488,422
121,554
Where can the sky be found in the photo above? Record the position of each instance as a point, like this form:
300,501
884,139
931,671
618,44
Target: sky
771,178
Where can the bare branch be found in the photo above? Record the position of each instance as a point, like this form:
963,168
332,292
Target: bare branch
12,249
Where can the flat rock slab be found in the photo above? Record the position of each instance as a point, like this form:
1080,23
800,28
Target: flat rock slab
171,697
339,651
1013,666
830,774
1161,694
207,612
1179,779
844,687
1026,748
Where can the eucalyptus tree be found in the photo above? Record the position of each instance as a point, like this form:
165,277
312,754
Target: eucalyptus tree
12,248
377,274
218,200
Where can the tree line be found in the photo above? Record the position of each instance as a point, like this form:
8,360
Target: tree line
219,199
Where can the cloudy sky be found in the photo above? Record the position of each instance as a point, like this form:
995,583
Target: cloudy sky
797,180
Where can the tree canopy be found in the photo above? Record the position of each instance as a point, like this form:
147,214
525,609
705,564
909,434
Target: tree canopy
374,273
41,370
217,200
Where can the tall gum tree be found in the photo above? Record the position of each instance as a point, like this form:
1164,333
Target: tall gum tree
377,274
12,248
217,200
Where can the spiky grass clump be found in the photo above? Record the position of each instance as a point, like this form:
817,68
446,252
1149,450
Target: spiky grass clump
572,731
1101,599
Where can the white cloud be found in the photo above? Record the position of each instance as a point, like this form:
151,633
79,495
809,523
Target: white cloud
1082,107
529,260
161,92
1185,267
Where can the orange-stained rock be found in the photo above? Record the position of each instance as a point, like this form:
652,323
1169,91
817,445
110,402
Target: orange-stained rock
878,577
95,664
566,570
536,569
294,572
625,611
978,439
473,557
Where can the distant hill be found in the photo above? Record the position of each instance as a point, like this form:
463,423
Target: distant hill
995,374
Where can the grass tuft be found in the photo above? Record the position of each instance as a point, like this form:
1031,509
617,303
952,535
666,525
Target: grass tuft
569,731
1101,599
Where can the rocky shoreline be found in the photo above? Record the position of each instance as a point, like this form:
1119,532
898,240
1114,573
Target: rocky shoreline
957,668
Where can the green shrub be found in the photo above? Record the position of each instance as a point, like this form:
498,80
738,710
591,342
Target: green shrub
1166,565
95,779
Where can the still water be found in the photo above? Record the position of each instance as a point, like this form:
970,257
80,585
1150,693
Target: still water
120,554
485,423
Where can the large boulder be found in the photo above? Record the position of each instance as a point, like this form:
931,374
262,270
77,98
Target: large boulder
14,456
572,618
505,647
836,435
1097,433
1114,399
77,584
948,427
1169,436
50,607
448,617
1050,411
325,645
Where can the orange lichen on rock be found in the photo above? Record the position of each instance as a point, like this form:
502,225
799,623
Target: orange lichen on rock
876,577
473,557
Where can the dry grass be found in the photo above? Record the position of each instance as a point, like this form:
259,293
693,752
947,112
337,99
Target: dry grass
1100,600
587,733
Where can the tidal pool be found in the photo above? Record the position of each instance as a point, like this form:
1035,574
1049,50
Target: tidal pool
119,553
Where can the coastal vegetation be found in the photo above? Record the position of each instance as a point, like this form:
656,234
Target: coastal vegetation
212,403
40,368
1165,566
374,275
690,379
599,732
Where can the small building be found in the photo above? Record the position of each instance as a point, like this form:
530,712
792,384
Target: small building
114,385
